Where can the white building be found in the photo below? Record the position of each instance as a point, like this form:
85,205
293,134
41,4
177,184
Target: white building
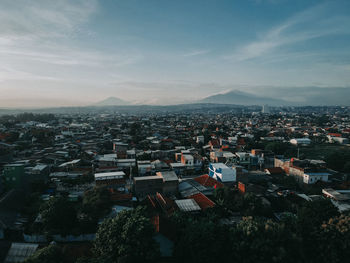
311,178
222,173
200,139
265,109
340,140
300,141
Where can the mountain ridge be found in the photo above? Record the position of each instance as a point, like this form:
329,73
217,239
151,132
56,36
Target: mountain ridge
112,101
242,98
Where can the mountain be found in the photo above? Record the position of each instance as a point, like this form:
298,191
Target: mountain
242,98
112,101
310,96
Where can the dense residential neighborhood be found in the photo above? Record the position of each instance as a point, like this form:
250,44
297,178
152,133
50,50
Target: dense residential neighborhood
243,184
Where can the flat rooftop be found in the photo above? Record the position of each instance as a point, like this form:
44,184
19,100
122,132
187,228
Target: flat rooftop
109,175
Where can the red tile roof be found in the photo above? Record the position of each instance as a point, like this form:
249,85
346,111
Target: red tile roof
203,201
334,134
207,181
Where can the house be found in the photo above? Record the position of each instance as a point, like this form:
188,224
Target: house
339,198
337,139
147,185
222,173
71,164
2,230
208,181
40,169
187,160
313,177
19,252
170,182
40,172
188,205
304,171
275,171
13,175
243,158
178,168
145,168
110,178
107,160
300,141
200,139
197,161
120,148
203,201
160,165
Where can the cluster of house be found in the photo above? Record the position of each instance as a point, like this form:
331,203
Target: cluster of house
169,162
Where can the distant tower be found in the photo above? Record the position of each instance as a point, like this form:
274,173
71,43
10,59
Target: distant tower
265,109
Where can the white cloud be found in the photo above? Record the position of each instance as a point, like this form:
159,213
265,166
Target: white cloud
43,18
41,39
196,52
312,23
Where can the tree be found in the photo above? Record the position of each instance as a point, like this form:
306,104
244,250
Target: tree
347,167
49,254
201,241
96,202
310,218
253,206
277,147
127,238
263,241
312,214
333,240
338,160
58,216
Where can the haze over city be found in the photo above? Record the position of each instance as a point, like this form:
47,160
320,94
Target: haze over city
76,53
165,131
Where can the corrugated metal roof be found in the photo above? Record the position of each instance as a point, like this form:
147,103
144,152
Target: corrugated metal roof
188,205
20,252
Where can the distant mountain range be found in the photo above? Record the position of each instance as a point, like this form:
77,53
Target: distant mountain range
286,96
242,98
274,96
112,101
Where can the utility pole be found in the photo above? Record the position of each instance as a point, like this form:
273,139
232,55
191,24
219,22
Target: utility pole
298,153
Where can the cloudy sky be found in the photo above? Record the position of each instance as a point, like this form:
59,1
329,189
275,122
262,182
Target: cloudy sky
62,52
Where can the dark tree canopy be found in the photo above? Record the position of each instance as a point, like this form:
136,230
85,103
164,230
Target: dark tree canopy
96,202
127,238
58,216
49,254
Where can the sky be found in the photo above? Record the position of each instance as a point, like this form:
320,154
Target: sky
74,53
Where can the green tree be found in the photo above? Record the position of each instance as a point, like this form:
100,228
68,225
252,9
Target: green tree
263,241
49,254
310,218
96,202
277,147
312,214
338,160
253,206
58,216
127,238
201,241
333,240
347,167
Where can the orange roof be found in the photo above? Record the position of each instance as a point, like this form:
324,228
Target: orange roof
207,181
203,201
334,134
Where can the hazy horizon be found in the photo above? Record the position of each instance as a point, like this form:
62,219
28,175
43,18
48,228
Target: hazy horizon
76,53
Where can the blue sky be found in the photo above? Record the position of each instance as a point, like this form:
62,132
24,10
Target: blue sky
163,51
